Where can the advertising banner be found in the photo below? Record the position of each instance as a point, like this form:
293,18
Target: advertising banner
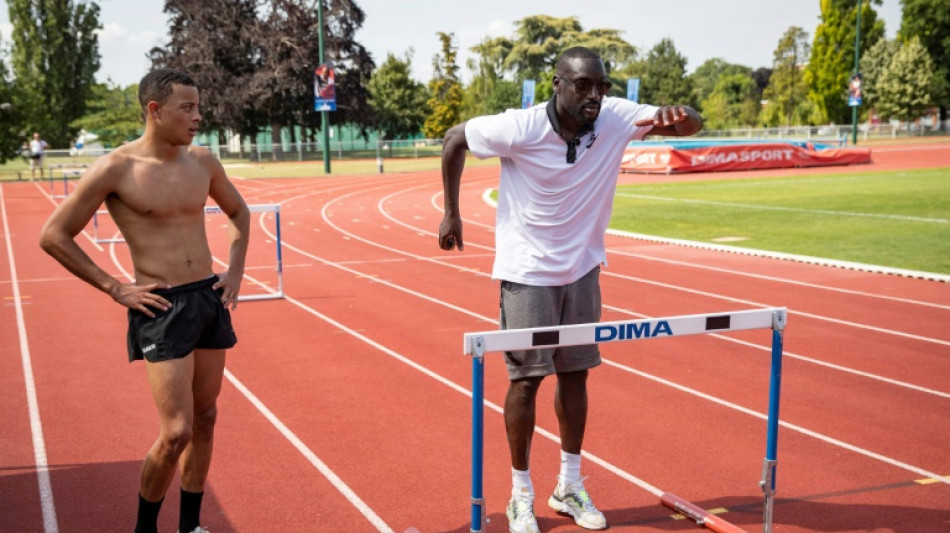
668,159
324,88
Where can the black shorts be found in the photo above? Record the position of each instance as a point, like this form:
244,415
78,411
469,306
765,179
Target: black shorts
196,319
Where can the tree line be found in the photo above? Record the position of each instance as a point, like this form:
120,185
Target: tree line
254,62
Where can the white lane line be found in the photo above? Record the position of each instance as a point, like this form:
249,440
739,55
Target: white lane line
775,279
321,467
786,353
807,259
50,523
743,301
646,486
783,208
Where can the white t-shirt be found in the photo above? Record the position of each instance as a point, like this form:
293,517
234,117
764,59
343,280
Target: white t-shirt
36,147
552,215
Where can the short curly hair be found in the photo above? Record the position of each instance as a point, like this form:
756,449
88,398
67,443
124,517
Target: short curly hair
157,85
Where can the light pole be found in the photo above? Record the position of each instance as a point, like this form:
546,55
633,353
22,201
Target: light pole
324,118
857,54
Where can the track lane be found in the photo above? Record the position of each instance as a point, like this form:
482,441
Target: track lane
626,505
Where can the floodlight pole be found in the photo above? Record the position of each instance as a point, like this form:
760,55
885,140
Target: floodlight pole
324,118
857,54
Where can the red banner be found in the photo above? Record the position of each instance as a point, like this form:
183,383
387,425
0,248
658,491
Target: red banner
667,159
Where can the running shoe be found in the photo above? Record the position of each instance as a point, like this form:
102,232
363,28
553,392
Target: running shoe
575,501
521,516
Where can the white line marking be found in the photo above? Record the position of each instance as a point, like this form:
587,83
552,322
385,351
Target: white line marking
335,480
775,279
322,467
646,486
50,524
781,208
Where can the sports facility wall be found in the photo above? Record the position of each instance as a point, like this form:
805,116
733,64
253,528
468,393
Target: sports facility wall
719,155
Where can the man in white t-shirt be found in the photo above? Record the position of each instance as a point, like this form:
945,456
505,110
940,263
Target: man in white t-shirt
37,147
559,168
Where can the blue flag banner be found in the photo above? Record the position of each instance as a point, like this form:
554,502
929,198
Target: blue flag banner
324,88
633,89
527,94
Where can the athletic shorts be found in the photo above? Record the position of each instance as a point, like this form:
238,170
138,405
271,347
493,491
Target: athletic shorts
529,306
196,319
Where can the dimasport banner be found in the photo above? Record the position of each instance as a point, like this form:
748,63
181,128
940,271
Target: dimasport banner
710,158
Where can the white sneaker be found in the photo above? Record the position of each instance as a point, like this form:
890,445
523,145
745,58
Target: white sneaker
521,516
199,529
575,501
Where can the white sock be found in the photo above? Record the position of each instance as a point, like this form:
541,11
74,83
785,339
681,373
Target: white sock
570,469
521,484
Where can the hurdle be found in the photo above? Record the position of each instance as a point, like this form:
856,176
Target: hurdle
215,210
68,171
477,344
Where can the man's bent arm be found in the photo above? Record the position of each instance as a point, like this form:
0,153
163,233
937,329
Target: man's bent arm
454,146
57,238
226,195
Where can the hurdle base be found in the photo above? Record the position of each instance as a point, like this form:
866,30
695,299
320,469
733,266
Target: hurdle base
699,515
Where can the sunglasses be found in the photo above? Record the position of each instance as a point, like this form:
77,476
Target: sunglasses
584,85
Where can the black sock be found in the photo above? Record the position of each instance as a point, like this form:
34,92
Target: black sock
147,521
190,509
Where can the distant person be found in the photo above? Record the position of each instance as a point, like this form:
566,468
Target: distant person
554,202
37,150
156,188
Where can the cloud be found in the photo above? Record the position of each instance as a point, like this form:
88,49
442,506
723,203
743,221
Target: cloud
116,34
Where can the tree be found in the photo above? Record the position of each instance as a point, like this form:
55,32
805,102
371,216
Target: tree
398,102
12,131
787,89
929,20
218,44
489,92
55,59
539,40
114,114
905,86
445,91
255,66
731,103
664,76
705,78
873,64
832,54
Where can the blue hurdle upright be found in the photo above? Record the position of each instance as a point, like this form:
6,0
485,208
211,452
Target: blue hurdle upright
479,343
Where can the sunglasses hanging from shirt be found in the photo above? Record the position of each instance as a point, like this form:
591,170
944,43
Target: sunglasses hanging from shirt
572,147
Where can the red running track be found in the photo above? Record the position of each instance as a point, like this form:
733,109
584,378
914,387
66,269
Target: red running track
346,406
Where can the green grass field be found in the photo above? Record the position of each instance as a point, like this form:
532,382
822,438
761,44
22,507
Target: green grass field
895,219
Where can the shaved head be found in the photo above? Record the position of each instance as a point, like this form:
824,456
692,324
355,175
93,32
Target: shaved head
576,52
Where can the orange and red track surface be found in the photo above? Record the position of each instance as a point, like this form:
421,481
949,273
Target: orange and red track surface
346,406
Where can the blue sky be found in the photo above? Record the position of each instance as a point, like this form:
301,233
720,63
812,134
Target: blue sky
739,31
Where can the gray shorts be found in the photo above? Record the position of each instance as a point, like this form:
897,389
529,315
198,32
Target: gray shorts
529,306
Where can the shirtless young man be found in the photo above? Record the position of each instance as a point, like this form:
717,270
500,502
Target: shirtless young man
156,188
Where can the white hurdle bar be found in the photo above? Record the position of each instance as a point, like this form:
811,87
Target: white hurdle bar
215,210
478,343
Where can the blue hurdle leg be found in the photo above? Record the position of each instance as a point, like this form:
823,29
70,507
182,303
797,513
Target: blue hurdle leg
478,412
771,446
